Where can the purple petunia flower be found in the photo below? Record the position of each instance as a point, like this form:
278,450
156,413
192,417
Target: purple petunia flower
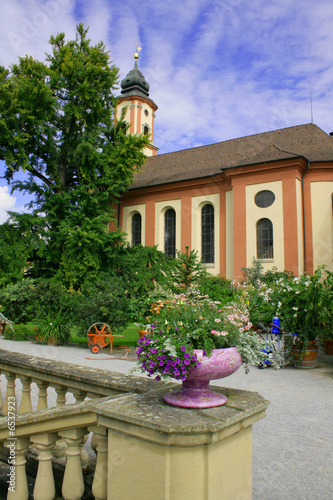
183,348
187,361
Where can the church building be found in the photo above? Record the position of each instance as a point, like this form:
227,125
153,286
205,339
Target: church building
267,196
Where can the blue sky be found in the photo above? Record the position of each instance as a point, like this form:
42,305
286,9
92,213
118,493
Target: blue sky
217,69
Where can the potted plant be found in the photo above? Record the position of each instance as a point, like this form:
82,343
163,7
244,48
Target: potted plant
143,329
304,310
194,340
53,327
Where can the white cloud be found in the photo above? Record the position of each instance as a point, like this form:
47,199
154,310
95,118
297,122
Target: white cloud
7,202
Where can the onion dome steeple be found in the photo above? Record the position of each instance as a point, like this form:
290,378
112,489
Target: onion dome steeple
135,83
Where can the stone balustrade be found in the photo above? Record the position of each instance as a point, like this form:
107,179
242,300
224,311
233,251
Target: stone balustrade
145,449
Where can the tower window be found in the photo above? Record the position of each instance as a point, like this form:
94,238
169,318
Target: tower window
170,232
145,130
136,230
265,239
146,112
207,234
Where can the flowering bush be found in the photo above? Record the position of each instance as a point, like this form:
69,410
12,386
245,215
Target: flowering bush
189,321
304,304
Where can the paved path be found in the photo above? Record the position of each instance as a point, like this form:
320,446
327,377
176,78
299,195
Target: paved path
292,446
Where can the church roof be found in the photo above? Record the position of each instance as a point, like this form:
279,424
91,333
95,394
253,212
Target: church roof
308,141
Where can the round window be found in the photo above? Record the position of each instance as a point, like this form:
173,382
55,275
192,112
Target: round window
146,112
264,199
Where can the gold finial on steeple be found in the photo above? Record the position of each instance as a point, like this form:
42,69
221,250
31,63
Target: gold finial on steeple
136,55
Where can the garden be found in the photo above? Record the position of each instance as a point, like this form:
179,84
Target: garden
182,304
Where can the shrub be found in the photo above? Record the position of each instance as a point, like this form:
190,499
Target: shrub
18,300
102,300
218,288
141,268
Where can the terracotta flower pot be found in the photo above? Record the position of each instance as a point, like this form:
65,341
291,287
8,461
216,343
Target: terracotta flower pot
142,333
195,392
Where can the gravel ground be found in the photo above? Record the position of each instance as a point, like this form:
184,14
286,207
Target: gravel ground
292,446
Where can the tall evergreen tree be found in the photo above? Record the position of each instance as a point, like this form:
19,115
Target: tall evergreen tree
57,123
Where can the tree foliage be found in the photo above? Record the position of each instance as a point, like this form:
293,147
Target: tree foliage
57,124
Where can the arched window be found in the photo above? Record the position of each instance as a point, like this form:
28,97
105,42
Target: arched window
265,239
136,229
145,130
207,234
170,232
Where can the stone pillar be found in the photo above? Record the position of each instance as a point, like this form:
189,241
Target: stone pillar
73,485
18,484
42,395
25,406
160,452
99,486
10,399
44,485
59,449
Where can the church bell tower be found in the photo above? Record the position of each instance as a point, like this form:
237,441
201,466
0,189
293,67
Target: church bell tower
139,108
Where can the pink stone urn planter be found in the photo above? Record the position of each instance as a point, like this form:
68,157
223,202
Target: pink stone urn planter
195,392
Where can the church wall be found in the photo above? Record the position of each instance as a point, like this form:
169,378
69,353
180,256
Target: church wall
187,199
197,204
275,214
236,216
160,208
322,224
229,236
285,215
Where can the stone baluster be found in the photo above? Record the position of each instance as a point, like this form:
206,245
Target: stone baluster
42,395
80,396
99,486
44,485
59,449
17,484
73,484
25,406
10,393
61,394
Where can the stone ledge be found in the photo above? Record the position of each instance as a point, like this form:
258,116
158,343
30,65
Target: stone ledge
104,382
148,417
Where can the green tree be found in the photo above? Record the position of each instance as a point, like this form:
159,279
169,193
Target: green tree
13,255
189,269
57,123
